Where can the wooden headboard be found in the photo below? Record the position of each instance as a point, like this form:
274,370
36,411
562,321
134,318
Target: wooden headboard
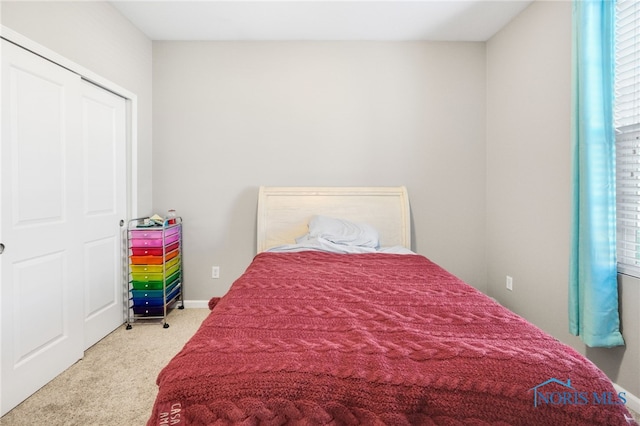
284,212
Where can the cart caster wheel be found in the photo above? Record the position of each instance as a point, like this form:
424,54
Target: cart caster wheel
181,307
165,325
129,327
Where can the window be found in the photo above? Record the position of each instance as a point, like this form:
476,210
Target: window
627,124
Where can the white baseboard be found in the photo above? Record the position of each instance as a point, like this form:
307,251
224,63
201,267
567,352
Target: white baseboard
196,304
633,402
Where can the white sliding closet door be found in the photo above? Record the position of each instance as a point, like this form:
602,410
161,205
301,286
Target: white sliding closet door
62,196
42,327
104,195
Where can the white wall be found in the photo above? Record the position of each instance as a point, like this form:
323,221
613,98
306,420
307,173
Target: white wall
231,116
529,182
529,162
96,36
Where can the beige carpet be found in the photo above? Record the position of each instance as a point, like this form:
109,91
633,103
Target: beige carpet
110,385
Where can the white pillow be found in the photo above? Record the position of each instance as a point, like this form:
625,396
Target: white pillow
340,231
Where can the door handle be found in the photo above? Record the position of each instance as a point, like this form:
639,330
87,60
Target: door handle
1,248
121,223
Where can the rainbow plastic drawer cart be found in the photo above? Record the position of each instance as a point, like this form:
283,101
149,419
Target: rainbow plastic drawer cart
154,280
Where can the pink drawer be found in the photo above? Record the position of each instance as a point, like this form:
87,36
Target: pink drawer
154,233
154,242
146,242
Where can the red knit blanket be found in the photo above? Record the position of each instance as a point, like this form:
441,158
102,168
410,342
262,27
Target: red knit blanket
314,338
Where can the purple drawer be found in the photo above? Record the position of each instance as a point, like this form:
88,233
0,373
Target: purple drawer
149,310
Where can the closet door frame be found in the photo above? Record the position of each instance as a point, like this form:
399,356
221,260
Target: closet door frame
131,114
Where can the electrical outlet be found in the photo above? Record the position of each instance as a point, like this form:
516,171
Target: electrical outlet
509,283
215,272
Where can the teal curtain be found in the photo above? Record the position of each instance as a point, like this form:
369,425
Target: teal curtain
593,288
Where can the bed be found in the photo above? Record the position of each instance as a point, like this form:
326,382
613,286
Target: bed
369,334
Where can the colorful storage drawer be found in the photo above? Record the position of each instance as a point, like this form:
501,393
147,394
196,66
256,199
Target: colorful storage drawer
155,269
144,251
144,294
154,284
154,242
152,260
156,301
147,285
151,311
154,233
154,276
147,260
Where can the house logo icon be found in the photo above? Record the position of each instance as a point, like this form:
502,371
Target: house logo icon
536,391
559,393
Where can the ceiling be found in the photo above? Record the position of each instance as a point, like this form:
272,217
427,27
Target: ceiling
388,20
